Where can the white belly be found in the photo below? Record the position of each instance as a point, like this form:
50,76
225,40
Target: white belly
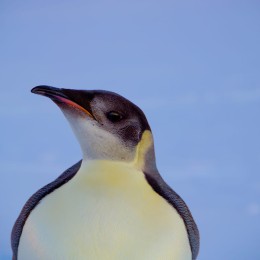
107,211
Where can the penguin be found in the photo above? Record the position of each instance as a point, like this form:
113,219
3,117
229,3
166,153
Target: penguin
112,204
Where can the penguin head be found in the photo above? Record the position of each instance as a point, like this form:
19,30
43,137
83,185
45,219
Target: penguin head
107,125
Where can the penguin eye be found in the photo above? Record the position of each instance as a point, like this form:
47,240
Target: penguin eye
114,116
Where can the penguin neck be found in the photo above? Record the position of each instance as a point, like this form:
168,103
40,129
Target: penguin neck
105,172
143,159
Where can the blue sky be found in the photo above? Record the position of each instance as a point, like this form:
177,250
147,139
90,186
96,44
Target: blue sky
192,66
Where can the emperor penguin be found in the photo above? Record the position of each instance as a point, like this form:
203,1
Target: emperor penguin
111,205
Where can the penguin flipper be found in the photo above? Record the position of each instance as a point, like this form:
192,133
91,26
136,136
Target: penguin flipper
164,190
33,201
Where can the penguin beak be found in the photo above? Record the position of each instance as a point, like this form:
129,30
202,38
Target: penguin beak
66,97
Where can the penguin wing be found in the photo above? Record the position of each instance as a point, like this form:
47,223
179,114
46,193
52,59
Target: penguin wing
33,202
164,190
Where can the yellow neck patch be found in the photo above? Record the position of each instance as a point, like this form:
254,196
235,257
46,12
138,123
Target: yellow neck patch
141,150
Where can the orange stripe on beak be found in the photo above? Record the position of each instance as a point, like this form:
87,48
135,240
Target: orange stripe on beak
73,104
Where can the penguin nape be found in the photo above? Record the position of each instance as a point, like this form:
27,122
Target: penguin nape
113,204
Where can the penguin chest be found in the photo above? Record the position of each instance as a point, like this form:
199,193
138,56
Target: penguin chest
105,212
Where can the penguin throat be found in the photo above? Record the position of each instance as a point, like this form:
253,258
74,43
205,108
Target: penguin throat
142,158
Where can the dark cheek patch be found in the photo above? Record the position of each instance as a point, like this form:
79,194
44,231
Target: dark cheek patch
131,134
